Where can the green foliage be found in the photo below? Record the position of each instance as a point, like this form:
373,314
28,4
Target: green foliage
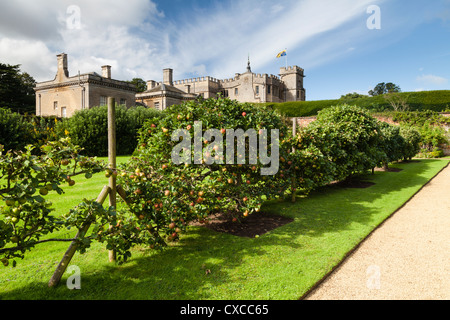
26,179
419,118
393,142
140,84
412,139
351,138
432,136
15,131
383,88
89,129
16,89
417,101
353,95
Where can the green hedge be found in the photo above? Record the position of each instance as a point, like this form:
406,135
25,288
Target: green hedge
418,101
89,129
15,131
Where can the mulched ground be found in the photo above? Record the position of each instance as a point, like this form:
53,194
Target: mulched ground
261,223
254,225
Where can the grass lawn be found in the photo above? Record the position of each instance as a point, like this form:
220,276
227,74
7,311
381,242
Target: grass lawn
282,264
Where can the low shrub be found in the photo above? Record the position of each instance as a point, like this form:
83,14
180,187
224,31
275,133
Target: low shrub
15,131
89,129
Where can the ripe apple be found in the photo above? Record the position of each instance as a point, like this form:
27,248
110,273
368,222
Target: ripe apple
223,131
201,193
172,225
10,202
165,130
164,166
244,114
167,193
189,127
230,181
245,199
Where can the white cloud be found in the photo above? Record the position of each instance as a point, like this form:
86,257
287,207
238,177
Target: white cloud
138,41
33,56
432,80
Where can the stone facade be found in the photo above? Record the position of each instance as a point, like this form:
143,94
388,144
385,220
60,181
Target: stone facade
64,95
245,87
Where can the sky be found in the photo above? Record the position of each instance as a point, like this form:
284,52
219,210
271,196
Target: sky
344,46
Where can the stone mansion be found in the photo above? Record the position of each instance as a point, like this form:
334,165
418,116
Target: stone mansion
64,95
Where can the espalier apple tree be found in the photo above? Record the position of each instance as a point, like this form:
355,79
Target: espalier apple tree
25,180
215,175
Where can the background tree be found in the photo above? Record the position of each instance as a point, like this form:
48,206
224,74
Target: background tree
383,88
353,95
140,84
16,89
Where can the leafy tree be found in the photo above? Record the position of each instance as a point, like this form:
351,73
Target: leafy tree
26,179
15,131
383,88
16,89
353,95
350,138
140,84
412,141
393,143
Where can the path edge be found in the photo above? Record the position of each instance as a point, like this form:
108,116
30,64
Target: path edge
351,251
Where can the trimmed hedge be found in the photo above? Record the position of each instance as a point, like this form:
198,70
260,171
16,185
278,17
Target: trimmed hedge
418,101
89,129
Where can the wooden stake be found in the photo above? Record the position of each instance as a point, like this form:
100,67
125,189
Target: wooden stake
112,159
62,266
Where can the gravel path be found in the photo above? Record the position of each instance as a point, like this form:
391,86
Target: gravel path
407,258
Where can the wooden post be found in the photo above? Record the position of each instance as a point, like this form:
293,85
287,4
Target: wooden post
294,127
112,159
62,266
294,178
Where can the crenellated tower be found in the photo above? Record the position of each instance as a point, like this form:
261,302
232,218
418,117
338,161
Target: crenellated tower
292,77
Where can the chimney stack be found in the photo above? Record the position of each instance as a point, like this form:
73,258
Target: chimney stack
168,77
106,72
63,71
151,84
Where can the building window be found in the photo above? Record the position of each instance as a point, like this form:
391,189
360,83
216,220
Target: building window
156,105
55,105
236,91
123,102
103,101
257,90
64,112
268,89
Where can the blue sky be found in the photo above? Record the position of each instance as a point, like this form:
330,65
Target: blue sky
328,38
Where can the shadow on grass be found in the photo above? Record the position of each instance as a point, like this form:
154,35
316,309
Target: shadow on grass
211,265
